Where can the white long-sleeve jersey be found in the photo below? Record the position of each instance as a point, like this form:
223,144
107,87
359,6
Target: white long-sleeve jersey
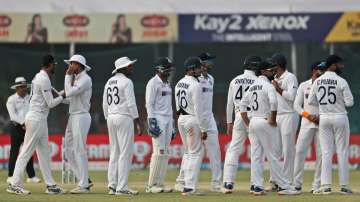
119,97
260,98
189,99
237,89
207,87
158,98
41,97
17,107
301,104
78,94
331,93
288,82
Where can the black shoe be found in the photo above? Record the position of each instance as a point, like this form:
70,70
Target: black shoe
91,184
258,191
252,188
229,185
345,190
298,188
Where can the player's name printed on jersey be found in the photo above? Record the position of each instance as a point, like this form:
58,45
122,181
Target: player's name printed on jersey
244,81
255,88
327,82
113,82
183,85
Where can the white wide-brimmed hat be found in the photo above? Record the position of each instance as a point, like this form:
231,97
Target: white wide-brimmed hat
122,63
79,59
20,81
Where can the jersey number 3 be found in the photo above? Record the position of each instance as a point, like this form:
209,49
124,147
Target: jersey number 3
112,95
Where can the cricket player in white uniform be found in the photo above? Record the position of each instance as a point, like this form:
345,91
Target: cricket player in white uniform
78,88
122,117
158,97
212,141
237,88
332,94
191,124
286,85
36,136
262,101
309,130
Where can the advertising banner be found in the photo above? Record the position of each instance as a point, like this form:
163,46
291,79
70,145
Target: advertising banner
294,27
87,28
99,150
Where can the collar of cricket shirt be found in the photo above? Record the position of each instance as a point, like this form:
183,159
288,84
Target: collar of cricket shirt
77,76
246,71
264,78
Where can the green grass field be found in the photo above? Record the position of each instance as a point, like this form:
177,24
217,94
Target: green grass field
138,181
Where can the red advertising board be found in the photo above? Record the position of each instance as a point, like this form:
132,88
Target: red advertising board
98,149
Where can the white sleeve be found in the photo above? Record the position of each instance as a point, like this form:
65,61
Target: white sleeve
131,101
230,105
272,98
105,103
299,100
245,102
150,96
78,87
348,97
197,97
312,95
290,92
45,87
10,105
177,101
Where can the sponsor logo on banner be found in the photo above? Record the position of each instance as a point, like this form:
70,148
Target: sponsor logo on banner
155,26
255,27
76,26
99,150
5,22
346,29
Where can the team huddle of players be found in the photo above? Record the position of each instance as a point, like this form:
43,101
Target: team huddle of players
264,104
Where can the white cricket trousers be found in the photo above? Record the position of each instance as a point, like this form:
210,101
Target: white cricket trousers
287,126
305,138
193,149
262,139
76,133
213,150
334,129
234,150
121,137
163,141
36,137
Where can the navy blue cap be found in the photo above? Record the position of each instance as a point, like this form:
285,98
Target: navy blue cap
206,56
163,63
315,65
48,59
279,59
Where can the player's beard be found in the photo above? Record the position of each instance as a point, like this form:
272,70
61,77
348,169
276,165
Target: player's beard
338,71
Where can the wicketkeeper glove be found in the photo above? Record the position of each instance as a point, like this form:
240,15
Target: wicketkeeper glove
153,128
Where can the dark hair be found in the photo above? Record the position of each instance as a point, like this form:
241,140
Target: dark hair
332,59
279,59
33,21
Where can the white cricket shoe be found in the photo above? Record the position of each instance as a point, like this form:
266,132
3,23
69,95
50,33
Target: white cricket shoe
128,192
13,189
79,190
54,189
179,187
33,180
112,190
289,192
8,180
215,187
153,189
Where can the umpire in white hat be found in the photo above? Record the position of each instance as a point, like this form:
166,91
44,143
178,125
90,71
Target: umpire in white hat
78,90
17,106
122,117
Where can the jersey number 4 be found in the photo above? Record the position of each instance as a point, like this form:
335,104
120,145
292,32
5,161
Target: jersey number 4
329,93
112,95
